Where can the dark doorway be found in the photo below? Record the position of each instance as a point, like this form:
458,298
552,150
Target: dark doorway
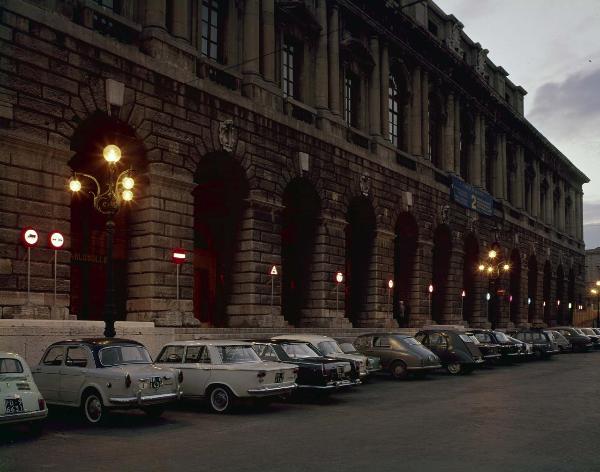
360,236
514,297
405,251
442,247
470,262
219,203
547,292
532,278
298,230
559,302
88,225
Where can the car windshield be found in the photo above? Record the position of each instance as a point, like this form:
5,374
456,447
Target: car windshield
467,339
577,330
411,341
500,336
118,355
237,353
347,348
329,347
299,350
473,339
588,331
10,366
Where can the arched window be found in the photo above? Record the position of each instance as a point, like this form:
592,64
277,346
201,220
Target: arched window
395,112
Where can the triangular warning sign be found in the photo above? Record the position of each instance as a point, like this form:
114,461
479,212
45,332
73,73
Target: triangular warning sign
274,270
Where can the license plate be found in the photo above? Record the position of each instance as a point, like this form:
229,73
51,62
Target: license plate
279,377
155,383
13,406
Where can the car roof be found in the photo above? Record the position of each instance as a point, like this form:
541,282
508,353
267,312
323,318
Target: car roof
10,355
210,342
388,333
97,342
304,337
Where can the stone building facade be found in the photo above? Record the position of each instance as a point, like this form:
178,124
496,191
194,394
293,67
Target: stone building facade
359,137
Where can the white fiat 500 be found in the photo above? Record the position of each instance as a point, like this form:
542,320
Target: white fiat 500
20,399
223,371
97,375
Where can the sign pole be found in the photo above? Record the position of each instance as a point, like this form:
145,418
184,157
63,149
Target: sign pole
28,275
55,265
273,273
177,283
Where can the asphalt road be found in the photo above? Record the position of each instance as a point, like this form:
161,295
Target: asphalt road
538,416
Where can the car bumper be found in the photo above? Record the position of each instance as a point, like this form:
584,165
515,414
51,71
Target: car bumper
268,391
489,357
144,400
23,417
338,384
424,368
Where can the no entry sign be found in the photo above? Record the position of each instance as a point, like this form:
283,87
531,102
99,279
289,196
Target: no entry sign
29,237
178,255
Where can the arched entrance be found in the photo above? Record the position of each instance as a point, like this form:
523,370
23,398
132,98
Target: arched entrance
219,202
442,247
88,225
515,287
559,301
547,292
532,278
405,250
470,262
298,229
360,236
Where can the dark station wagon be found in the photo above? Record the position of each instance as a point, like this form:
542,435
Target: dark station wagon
507,349
456,350
544,346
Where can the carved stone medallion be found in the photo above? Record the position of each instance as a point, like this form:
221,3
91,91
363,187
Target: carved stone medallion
227,135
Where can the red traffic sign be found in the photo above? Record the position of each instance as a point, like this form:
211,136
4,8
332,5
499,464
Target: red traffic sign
178,255
29,237
56,240
274,270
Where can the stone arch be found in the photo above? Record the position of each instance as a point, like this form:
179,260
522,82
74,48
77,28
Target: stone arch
405,252
88,226
301,207
442,249
515,287
470,262
219,203
360,239
532,287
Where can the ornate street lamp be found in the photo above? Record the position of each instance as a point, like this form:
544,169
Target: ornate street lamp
493,268
117,191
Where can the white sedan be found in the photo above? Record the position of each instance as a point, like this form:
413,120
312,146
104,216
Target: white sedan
20,399
97,375
223,371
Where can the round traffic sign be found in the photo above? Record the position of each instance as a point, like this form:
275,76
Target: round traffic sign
29,237
56,239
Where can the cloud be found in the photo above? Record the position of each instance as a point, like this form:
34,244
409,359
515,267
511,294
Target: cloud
591,224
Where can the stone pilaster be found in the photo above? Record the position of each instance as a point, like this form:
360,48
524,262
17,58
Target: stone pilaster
181,20
474,155
482,151
535,190
420,313
454,285
251,43
520,177
375,91
416,113
425,114
457,135
384,92
268,39
333,44
154,14
448,159
322,72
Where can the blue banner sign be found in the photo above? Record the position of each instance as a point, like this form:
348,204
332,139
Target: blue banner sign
473,198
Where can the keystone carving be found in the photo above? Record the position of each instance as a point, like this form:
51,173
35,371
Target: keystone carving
227,135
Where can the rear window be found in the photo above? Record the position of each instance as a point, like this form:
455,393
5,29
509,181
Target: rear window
237,354
10,366
467,339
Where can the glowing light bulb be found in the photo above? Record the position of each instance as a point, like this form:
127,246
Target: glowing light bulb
74,185
506,267
492,254
481,268
128,183
127,195
112,153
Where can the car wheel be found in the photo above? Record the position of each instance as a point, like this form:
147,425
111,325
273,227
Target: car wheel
398,370
93,409
154,411
220,400
454,369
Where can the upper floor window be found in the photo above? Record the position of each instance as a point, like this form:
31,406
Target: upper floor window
351,96
291,54
394,112
210,43
113,5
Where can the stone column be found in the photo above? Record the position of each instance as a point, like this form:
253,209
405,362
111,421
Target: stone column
181,20
448,164
328,259
536,191
418,298
474,155
155,14
425,114
454,285
375,91
550,204
233,54
416,112
500,170
561,206
384,92
268,39
333,44
457,135
379,308
322,73
482,151
251,43
520,177
504,169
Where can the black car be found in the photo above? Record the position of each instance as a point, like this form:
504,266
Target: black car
544,346
563,343
489,350
508,350
315,372
457,351
590,333
579,341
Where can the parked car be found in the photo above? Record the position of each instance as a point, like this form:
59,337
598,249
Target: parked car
563,344
330,348
457,351
224,371
315,372
20,399
543,346
525,349
98,375
373,362
507,349
590,333
489,350
400,354
579,341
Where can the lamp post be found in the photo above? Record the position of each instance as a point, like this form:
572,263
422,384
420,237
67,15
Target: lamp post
339,278
430,290
390,287
117,190
463,294
493,268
